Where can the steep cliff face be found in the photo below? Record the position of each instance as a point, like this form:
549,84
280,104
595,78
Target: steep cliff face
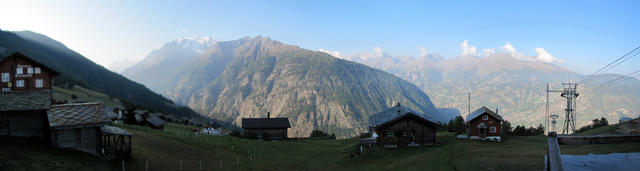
252,76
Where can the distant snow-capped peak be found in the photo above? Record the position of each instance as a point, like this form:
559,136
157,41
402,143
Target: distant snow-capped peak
195,43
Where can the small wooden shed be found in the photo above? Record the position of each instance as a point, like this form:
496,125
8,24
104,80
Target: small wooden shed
265,128
116,143
77,126
402,126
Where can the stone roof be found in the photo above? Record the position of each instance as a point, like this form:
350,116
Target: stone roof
115,131
155,120
76,114
25,100
265,123
480,111
393,113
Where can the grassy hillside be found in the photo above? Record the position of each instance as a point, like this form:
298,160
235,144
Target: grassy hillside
83,95
629,127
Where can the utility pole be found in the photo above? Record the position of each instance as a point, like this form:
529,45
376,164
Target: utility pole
570,93
546,113
469,109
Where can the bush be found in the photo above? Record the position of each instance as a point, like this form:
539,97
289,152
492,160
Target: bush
236,133
319,134
596,123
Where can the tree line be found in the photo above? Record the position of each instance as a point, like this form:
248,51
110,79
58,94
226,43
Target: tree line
458,126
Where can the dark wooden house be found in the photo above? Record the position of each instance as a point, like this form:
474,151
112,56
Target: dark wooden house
402,126
265,128
25,97
78,126
484,124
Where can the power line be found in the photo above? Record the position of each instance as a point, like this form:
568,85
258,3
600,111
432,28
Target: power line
613,64
620,78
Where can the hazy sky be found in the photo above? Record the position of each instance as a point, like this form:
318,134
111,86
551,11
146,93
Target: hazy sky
584,35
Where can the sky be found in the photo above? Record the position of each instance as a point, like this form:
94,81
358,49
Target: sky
580,35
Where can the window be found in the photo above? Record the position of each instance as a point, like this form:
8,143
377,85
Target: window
485,117
39,83
29,70
19,70
493,129
37,70
6,90
5,77
19,83
389,134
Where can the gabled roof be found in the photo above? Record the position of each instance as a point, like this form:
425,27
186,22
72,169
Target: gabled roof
20,55
392,113
265,123
408,115
155,120
481,111
25,100
76,114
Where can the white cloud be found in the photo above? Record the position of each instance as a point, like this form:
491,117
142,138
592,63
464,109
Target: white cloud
508,48
335,53
468,50
423,51
544,56
184,31
488,52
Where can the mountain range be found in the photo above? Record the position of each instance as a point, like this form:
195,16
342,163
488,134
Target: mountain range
249,77
513,84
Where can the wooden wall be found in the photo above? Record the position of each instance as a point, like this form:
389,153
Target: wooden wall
24,124
84,139
490,122
405,131
267,134
9,66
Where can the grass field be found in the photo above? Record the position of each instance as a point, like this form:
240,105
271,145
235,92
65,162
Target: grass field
165,149
28,156
176,146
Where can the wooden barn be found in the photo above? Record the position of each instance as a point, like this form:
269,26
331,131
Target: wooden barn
484,124
77,126
400,125
25,96
265,128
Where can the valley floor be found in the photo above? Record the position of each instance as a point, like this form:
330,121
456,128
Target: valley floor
176,147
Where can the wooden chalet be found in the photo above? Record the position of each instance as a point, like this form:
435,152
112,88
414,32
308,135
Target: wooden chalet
151,120
265,128
484,124
400,125
25,97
